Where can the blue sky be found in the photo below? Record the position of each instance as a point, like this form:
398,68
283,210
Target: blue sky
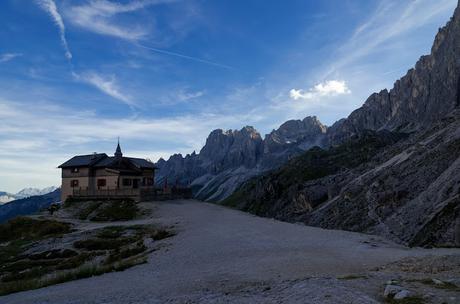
75,75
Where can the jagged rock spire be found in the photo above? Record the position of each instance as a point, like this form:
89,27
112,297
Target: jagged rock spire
118,153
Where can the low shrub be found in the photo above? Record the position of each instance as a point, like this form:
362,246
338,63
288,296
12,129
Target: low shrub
79,273
102,244
116,210
31,229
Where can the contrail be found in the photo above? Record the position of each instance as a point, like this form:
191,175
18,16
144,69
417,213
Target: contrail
50,7
186,57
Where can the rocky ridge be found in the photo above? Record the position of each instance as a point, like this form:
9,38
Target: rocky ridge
407,190
231,157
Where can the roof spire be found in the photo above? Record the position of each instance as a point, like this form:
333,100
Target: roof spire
118,154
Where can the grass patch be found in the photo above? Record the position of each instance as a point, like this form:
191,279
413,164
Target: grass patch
87,209
112,232
160,234
19,233
31,229
118,248
80,273
117,210
11,251
53,254
104,210
103,244
408,300
445,285
126,253
352,277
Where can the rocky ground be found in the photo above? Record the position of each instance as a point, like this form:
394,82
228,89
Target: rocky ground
221,255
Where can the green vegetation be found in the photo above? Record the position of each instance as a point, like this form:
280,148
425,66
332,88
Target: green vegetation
444,285
26,228
408,300
123,210
19,233
114,248
102,244
259,194
103,211
352,277
79,273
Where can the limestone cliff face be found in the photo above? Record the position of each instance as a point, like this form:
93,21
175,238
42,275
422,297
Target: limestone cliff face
231,149
230,157
422,97
302,133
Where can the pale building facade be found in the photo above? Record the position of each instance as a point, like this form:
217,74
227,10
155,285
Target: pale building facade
101,176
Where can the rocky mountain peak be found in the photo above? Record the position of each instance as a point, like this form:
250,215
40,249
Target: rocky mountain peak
303,133
424,95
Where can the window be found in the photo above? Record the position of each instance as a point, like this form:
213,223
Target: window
127,182
147,181
75,170
101,182
74,183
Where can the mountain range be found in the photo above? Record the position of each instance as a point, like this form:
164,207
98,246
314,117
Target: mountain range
29,205
6,197
391,167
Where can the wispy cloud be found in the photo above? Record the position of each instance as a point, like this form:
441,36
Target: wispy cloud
384,27
50,7
8,56
186,57
325,89
106,84
99,17
185,95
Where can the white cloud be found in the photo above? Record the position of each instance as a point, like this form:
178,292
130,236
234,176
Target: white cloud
185,95
50,7
106,84
99,17
325,89
20,124
8,56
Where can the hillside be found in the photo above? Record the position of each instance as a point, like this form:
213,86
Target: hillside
28,205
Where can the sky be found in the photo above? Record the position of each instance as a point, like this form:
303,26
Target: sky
162,74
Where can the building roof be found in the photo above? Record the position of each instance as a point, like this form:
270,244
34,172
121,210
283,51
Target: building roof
142,163
83,160
102,160
111,161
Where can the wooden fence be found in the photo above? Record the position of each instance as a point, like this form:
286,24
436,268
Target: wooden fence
135,194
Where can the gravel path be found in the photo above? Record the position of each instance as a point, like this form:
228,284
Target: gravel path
221,255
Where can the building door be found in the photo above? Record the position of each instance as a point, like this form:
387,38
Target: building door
135,183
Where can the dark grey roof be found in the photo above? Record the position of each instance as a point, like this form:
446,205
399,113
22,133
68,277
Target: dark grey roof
142,163
83,160
106,162
102,160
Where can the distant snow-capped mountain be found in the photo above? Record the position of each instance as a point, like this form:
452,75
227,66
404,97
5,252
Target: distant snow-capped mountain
28,192
6,197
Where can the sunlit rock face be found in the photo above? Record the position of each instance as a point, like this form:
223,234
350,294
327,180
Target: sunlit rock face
231,157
